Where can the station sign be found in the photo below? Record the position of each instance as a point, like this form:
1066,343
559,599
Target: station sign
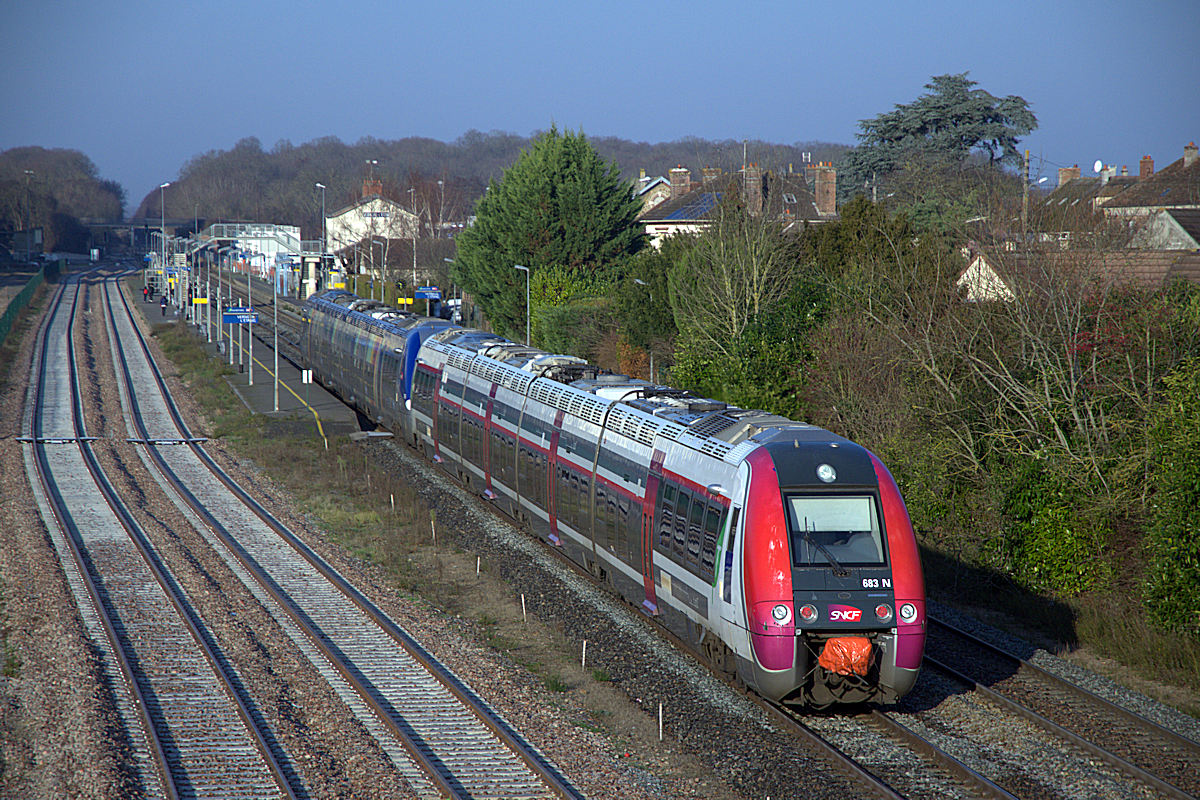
239,315
428,293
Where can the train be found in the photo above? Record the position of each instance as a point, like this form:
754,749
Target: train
778,551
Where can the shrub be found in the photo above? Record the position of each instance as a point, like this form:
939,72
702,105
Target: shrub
1173,536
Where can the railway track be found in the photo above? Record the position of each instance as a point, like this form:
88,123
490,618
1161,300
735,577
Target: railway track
1147,753
920,750
441,736
191,730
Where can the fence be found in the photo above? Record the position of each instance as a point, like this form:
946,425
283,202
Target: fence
47,272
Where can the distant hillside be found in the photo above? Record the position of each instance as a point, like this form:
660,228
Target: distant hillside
278,185
62,188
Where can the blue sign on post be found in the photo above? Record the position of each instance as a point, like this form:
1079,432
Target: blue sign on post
428,293
238,315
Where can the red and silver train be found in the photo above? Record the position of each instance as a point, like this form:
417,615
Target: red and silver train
780,551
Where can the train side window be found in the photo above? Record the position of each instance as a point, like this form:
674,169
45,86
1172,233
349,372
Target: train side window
695,533
708,552
666,515
726,592
679,539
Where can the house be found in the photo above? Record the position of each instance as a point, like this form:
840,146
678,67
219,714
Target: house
652,191
996,275
1175,186
1170,229
786,197
371,218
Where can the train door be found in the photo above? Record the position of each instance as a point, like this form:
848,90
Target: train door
653,479
388,388
728,589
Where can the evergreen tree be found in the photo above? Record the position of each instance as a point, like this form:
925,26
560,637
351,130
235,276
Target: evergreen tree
558,205
942,127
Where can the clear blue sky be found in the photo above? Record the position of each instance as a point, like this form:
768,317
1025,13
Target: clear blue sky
140,87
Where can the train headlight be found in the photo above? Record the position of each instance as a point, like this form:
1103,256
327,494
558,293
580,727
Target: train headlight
808,613
883,612
826,473
781,614
908,612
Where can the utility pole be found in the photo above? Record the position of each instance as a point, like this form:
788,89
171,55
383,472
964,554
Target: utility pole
1025,198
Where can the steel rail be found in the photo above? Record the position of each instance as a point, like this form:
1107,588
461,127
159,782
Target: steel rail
1078,692
1053,728
255,726
62,515
416,749
959,770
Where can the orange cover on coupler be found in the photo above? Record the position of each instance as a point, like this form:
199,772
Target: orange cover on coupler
847,655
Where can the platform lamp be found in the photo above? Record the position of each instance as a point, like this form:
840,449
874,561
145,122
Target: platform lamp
321,271
641,282
162,230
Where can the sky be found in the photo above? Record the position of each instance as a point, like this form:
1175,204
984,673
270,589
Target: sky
142,87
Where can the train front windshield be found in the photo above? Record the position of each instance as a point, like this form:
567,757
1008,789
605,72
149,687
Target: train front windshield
835,531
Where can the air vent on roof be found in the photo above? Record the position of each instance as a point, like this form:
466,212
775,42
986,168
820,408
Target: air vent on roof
711,424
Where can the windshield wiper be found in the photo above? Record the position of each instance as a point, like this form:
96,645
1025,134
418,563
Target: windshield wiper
838,569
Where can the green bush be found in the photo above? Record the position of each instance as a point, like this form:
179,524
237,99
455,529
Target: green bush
1050,545
1173,536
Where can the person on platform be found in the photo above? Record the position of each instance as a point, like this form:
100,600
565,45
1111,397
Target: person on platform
162,304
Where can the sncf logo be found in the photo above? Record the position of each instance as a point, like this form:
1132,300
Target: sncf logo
844,614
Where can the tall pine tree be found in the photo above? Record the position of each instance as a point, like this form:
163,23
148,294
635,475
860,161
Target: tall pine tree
559,204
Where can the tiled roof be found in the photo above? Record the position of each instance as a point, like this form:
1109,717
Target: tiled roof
785,196
1174,185
1188,219
1146,269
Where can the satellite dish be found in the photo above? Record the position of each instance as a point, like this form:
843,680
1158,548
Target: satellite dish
1099,165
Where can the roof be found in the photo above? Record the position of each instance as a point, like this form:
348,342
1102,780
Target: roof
1174,185
1144,269
785,196
1188,219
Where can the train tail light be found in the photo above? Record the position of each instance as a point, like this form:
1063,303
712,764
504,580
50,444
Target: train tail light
883,612
808,613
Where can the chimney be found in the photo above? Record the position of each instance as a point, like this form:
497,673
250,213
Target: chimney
1146,167
1124,170
1189,154
372,188
1067,174
681,181
752,188
826,189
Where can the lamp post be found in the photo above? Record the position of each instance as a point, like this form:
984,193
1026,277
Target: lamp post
162,231
416,229
28,213
461,318
321,186
382,264
526,271
641,282
441,208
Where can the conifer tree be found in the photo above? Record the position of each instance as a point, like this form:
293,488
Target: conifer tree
559,204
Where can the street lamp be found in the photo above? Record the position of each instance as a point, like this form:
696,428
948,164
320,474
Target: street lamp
162,232
526,271
416,229
321,186
641,282
382,264
28,213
